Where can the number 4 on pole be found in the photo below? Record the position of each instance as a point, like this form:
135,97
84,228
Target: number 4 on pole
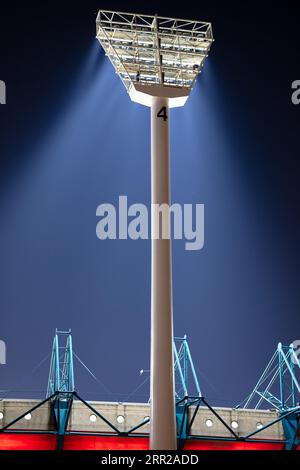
163,113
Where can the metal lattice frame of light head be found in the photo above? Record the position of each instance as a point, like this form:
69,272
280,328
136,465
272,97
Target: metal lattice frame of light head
153,55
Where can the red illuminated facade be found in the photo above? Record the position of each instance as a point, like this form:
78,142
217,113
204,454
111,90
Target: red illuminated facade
96,443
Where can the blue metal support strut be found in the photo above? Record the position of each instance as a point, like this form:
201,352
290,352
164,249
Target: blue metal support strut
184,368
61,381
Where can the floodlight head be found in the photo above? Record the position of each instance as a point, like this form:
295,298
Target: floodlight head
155,56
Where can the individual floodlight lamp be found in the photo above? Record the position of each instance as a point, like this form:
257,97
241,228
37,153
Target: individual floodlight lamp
158,60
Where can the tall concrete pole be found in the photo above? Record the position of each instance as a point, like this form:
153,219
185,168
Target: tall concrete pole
163,416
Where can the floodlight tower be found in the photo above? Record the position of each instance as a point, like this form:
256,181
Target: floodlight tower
158,59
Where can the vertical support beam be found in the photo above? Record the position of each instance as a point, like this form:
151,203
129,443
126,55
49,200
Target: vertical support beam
182,414
163,419
188,352
291,426
292,365
56,363
71,365
181,372
62,409
185,363
281,378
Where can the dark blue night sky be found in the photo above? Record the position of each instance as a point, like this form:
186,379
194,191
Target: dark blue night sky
70,139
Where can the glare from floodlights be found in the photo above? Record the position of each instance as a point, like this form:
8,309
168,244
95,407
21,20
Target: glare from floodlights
153,52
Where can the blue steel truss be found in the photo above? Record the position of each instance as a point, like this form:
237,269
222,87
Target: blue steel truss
61,381
279,384
187,383
279,388
61,375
